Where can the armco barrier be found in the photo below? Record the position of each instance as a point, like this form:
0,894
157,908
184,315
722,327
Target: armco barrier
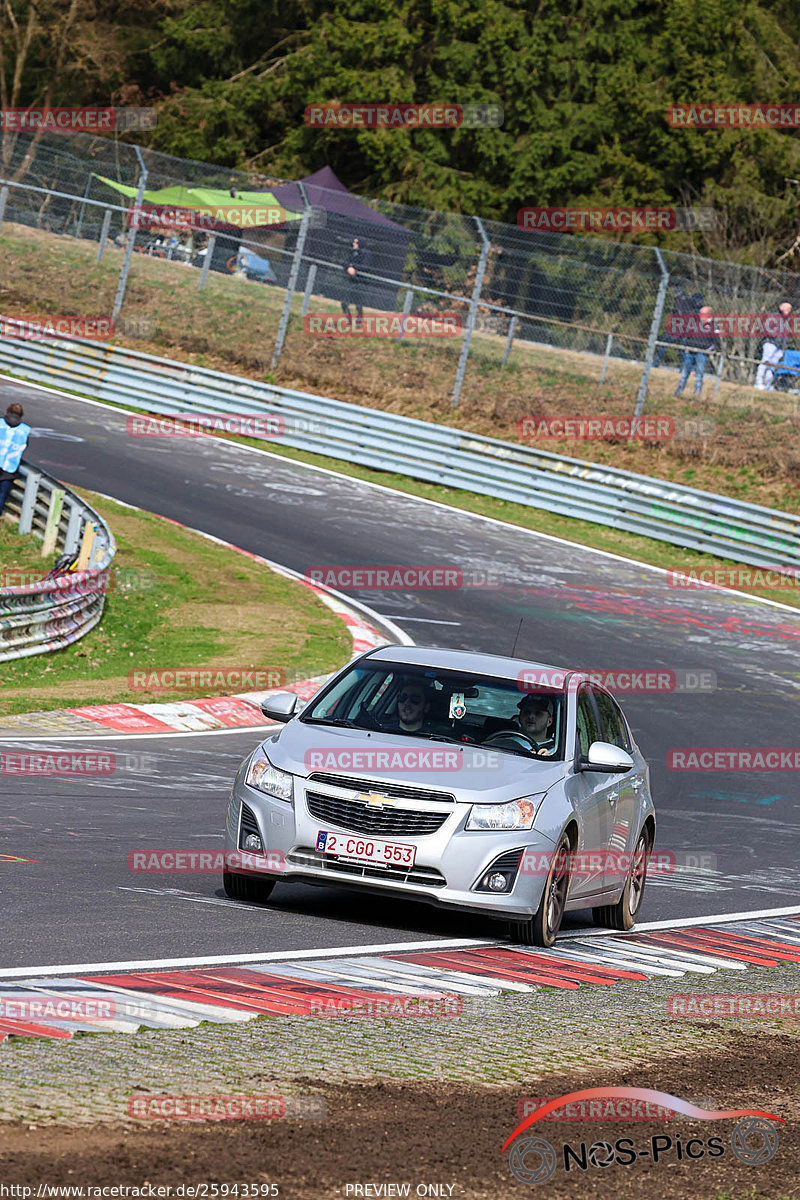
682,516
51,613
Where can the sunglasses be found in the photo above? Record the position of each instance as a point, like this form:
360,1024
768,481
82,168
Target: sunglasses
414,698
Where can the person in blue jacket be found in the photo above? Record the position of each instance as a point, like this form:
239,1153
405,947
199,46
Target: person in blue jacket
14,434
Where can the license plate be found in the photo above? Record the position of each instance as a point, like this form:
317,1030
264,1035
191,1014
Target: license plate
366,849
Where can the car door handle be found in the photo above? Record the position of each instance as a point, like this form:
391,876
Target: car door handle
613,797
637,784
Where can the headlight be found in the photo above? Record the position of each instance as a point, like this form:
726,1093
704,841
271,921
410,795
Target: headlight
517,814
262,775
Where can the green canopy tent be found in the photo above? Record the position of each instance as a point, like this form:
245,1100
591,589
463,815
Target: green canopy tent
245,210
214,211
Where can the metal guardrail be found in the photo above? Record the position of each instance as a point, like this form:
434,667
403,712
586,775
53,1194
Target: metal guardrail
48,614
668,512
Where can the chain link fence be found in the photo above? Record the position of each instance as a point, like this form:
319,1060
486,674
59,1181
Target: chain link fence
519,298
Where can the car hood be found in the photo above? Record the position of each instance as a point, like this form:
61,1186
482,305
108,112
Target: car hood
475,774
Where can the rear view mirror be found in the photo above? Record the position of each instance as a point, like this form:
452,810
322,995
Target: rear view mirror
603,756
280,706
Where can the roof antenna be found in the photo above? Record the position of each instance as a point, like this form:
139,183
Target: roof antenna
516,639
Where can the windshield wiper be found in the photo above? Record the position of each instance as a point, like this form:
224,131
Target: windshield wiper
342,722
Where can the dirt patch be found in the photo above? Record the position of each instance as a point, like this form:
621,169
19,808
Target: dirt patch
447,1134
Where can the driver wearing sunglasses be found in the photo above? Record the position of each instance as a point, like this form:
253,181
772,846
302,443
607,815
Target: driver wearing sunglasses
413,706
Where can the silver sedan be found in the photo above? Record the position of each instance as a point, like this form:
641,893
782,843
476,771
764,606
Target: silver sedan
482,783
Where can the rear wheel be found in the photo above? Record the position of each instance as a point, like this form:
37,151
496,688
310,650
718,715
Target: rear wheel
542,928
623,914
246,887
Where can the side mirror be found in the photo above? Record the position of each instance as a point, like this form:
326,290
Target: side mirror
279,707
605,757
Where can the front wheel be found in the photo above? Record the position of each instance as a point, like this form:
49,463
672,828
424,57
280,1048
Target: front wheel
246,887
542,928
623,914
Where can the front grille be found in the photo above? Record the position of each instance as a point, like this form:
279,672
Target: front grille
362,818
248,824
422,876
402,791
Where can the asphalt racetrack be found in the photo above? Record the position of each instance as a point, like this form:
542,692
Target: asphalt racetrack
733,834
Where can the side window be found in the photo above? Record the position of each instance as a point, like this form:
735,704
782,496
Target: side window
612,724
587,725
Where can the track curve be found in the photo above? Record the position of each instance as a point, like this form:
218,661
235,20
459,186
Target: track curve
581,607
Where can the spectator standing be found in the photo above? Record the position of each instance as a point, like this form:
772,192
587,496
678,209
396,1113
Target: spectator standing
772,347
356,260
702,342
14,436
684,303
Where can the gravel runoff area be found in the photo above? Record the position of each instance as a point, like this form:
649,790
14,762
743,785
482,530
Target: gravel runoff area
410,1101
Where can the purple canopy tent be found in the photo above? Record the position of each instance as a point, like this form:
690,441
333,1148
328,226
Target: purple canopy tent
346,217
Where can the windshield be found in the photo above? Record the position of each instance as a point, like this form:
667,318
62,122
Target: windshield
453,706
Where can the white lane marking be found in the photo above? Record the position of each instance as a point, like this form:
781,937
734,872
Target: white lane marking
676,923
177,894
334,973
120,735
416,974
157,964
425,620
382,487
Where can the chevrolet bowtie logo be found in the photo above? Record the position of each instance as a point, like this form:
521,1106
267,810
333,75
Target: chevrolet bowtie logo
375,799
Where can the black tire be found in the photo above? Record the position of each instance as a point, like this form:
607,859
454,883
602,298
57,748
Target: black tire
623,914
600,914
542,928
246,887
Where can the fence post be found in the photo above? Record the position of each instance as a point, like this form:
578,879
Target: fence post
407,302
3,199
512,329
651,341
312,275
104,234
126,262
207,257
83,206
473,312
73,534
293,273
53,518
718,380
28,506
609,340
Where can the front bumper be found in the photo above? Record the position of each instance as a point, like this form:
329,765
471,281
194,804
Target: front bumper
449,861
